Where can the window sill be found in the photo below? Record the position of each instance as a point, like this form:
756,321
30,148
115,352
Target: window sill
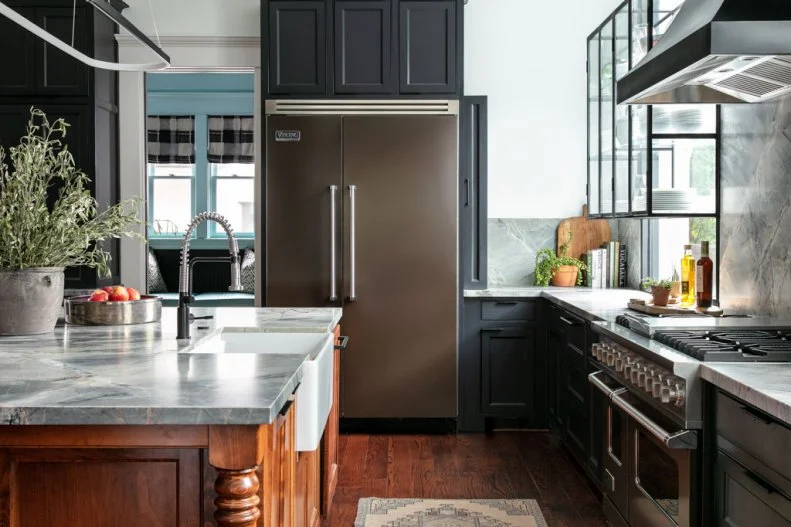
214,243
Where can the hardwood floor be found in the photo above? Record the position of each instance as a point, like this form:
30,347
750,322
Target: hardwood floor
530,465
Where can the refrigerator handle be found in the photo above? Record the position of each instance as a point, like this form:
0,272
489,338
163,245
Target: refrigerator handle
352,244
333,244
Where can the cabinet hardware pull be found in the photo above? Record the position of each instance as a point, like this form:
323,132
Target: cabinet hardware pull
333,244
761,482
467,192
570,322
344,341
492,330
352,243
757,415
506,303
284,410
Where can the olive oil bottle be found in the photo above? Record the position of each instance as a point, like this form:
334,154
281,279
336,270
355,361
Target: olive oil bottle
688,291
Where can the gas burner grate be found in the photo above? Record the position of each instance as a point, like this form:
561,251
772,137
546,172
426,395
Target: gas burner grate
737,345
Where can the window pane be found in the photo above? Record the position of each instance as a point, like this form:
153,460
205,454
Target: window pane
233,169
684,119
172,204
668,237
639,30
639,158
683,176
607,108
158,170
234,199
593,117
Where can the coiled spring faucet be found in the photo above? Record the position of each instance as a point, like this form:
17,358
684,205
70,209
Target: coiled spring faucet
184,316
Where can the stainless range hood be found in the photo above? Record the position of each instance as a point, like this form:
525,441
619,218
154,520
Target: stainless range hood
716,51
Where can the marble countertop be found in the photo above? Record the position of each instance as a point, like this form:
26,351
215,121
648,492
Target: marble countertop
590,304
766,386
134,375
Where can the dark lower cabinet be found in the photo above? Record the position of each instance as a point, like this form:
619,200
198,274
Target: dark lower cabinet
746,499
752,469
363,43
297,46
427,46
501,371
555,345
507,359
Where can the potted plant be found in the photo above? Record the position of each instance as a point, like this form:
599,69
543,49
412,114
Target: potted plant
562,271
660,290
39,239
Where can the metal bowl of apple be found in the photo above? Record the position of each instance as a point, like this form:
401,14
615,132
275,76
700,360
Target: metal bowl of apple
113,306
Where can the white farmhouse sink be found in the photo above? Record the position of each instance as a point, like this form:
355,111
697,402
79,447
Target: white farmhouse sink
314,397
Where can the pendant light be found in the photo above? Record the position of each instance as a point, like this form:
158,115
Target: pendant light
110,12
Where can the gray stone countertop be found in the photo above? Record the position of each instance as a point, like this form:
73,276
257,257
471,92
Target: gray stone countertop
767,386
134,375
590,304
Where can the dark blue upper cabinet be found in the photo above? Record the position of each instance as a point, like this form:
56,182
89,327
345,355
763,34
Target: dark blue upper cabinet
428,47
297,47
365,48
363,43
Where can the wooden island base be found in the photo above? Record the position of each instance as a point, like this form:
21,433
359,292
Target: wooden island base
159,476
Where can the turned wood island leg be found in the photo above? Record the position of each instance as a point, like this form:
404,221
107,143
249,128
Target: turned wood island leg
236,452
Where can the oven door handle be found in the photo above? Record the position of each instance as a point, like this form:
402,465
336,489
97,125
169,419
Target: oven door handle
593,378
681,440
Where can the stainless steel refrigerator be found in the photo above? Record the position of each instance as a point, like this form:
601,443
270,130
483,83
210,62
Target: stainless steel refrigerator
361,212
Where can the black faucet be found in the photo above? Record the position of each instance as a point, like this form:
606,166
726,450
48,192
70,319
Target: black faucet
185,298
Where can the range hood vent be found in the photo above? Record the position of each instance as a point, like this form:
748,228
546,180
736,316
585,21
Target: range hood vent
716,51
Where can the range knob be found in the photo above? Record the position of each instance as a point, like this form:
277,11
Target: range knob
611,356
650,379
630,366
659,382
673,392
634,376
621,362
596,350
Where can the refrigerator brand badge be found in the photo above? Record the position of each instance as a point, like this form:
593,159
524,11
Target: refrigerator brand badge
288,135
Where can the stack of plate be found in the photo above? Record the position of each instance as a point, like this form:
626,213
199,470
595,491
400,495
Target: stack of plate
673,200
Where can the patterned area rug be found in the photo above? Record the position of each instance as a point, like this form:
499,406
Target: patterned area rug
378,512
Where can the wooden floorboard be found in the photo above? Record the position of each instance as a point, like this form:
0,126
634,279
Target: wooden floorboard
503,465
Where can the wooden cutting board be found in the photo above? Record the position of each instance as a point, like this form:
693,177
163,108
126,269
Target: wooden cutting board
651,309
587,234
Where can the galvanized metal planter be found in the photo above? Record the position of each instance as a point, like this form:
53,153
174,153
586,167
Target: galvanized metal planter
30,300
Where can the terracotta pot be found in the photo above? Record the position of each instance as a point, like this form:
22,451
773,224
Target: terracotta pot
565,276
661,295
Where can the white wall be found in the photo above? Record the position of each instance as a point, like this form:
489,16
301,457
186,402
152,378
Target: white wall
529,57
238,18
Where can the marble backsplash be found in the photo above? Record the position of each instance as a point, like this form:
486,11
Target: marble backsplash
755,219
513,244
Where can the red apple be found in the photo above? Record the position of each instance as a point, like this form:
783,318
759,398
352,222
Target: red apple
108,289
119,294
133,293
99,296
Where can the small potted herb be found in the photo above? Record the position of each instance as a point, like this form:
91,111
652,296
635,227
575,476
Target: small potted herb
48,221
660,290
561,271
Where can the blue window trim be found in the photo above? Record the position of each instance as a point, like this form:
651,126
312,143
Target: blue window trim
199,95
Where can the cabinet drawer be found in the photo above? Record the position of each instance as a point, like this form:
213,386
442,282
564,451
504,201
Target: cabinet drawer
755,432
573,327
508,310
746,499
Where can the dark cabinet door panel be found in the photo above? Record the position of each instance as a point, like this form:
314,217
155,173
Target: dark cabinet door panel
297,47
363,47
746,499
427,47
60,74
19,74
555,346
473,174
508,356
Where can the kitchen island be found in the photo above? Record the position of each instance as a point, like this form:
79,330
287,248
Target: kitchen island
125,427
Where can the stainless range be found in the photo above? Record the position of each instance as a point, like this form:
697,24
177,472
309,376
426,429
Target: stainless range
653,401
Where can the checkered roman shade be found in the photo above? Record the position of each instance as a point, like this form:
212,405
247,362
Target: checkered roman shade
231,139
171,140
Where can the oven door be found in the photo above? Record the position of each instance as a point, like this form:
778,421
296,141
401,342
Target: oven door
615,458
661,465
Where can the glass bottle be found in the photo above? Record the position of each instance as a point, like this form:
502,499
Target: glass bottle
688,291
704,277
